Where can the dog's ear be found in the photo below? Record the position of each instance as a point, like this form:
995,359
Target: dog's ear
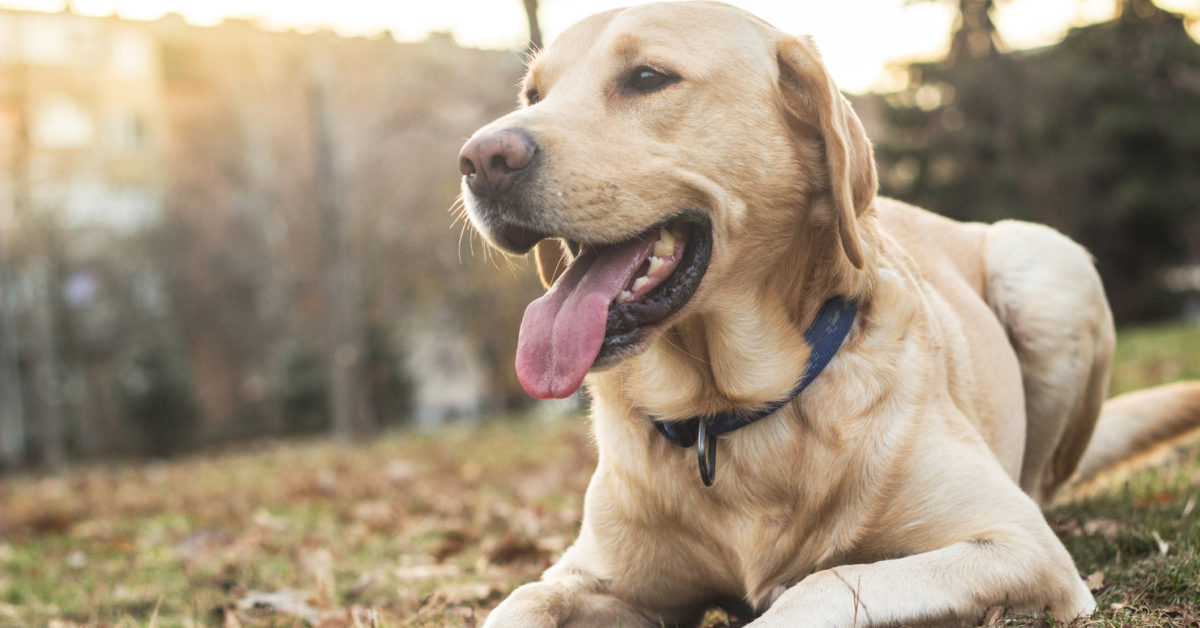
552,259
811,101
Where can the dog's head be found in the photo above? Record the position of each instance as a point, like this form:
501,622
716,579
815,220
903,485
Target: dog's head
667,156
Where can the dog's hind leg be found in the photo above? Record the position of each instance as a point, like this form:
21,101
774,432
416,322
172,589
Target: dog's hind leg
1047,294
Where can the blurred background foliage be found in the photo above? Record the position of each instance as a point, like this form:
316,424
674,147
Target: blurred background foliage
1097,136
213,234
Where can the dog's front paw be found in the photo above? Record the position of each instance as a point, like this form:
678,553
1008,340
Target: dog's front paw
533,605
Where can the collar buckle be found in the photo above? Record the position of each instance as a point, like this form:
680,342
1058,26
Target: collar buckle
706,452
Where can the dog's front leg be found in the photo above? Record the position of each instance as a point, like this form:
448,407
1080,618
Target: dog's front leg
575,600
950,586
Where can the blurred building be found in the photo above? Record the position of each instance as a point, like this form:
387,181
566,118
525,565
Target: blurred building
81,128
81,113
170,199
453,377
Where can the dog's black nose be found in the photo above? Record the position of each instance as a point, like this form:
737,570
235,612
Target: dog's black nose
491,161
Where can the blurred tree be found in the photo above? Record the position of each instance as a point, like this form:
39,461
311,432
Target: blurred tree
36,228
240,242
345,340
535,29
155,392
1096,136
1131,10
251,252
12,406
974,33
389,383
44,349
304,389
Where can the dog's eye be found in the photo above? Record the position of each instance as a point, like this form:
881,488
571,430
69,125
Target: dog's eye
646,79
532,96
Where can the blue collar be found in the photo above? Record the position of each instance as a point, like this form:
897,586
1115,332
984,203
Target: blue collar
826,335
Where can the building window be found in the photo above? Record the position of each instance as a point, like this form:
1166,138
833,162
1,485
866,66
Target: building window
130,55
8,37
57,39
127,131
61,122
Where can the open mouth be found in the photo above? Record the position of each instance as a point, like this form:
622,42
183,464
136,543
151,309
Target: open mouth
599,310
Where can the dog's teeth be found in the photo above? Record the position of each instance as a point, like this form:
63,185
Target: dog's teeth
624,296
655,264
640,283
665,244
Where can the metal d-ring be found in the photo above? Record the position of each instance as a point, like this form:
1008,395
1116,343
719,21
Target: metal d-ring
706,453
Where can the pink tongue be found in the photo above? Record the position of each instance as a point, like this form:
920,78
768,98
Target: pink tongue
562,332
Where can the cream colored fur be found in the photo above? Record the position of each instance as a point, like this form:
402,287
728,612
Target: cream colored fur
903,486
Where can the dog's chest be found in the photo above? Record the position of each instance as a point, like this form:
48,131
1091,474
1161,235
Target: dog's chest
713,548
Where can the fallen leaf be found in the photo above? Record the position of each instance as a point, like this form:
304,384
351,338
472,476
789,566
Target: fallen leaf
441,605
327,482
1067,529
467,592
471,472
77,559
1161,497
400,471
377,515
511,548
352,617
229,618
1187,616
319,564
197,545
994,617
422,572
364,617
361,586
52,522
287,601
1095,581
555,544
1106,528
457,539
336,618
265,520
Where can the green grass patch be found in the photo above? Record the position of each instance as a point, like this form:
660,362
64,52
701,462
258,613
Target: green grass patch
1148,356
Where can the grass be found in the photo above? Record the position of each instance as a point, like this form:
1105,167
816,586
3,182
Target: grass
409,530
432,530
1141,535
1147,356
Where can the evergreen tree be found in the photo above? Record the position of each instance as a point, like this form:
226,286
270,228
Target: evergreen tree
1097,136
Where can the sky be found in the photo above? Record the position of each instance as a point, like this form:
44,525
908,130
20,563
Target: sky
859,39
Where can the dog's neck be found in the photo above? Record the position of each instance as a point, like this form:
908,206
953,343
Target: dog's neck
747,347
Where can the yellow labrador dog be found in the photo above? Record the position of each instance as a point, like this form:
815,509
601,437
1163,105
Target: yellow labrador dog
879,397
